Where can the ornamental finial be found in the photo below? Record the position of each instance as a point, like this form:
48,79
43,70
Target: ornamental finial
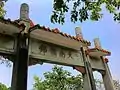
24,12
24,16
97,43
78,32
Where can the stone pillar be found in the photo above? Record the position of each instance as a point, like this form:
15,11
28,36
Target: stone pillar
14,77
78,32
97,43
90,71
20,64
89,82
86,82
107,78
84,71
86,78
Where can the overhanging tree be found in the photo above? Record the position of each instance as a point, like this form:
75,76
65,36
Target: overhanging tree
2,11
81,10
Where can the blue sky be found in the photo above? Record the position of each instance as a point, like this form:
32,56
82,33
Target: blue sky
40,10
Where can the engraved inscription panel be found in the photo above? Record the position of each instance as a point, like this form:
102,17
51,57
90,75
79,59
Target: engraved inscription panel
54,54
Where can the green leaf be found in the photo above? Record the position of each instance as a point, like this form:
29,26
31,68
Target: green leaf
92,10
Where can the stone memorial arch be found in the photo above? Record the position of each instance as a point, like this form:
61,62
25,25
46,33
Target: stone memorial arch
26,44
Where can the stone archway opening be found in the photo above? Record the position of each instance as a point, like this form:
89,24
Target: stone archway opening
98,80
6,67
39,70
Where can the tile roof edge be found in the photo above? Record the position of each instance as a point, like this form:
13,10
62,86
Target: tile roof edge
9,21
56,31
100,50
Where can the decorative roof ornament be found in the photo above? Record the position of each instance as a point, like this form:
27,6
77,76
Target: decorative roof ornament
78,32
24,12
97,51
97,43
24,17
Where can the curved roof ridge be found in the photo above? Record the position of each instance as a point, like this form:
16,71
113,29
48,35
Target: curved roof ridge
57,31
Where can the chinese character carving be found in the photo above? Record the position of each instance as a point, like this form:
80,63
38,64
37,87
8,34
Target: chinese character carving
43,49
62,54
70,54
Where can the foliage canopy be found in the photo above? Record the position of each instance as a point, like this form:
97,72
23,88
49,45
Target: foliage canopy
79,10
60,79
2,11
3,87
82,10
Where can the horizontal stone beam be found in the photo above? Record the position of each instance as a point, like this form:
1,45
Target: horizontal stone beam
50,53
46,49
57,39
